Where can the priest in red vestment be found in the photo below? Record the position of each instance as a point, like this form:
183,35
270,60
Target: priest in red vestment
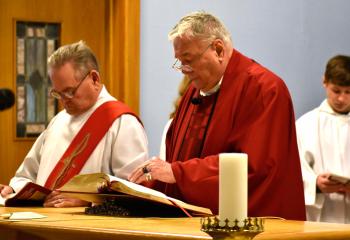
232,105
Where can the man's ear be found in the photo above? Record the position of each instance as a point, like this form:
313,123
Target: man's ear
219,48
324,81
95,76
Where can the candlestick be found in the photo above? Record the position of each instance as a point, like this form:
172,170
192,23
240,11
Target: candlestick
233,222
233,186
232,230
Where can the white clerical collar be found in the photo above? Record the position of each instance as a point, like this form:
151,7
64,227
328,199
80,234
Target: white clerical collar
211,91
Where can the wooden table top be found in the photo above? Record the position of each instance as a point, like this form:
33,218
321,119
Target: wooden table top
72,223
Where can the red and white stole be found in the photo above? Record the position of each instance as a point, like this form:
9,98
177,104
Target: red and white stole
84,143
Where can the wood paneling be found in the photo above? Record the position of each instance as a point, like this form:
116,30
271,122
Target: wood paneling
123,53
109,27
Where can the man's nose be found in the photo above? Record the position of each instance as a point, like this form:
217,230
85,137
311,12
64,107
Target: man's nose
341,97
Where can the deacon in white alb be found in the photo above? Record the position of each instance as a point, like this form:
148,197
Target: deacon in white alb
94,133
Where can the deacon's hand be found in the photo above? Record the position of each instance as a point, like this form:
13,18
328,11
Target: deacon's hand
153,169
328,186
56,199
5,190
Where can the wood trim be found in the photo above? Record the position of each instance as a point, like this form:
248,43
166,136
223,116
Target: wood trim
123,51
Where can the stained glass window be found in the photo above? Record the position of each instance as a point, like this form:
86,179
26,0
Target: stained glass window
35,107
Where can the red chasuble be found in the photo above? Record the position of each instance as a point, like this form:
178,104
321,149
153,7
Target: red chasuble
253,114
84,143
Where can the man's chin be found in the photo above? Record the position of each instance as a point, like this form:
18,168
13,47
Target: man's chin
341,110
71,111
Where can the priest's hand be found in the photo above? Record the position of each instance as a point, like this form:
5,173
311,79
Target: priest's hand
328,186
153,169
56,199
5,190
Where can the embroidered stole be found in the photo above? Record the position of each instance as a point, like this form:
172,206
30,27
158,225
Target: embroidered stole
84,143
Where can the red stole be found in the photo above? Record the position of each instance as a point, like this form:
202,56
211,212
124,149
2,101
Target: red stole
85,142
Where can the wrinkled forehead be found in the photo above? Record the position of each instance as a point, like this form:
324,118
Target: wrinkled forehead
63,73
184,46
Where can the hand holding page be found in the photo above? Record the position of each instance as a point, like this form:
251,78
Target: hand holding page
30,194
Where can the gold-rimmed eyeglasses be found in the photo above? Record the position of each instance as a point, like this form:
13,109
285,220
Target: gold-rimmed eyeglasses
68,94
186,68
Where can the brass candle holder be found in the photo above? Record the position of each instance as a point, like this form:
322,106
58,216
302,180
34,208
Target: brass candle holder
246,229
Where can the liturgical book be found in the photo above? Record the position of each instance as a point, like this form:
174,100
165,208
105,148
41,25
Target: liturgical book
99,188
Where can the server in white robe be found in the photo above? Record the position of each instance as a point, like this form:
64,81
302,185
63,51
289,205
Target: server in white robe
76,82
324,146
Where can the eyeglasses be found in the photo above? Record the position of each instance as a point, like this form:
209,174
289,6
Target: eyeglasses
68,94
178,66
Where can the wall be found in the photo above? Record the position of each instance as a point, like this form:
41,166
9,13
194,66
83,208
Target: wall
292,38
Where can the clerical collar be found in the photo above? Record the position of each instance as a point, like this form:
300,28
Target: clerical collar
211,91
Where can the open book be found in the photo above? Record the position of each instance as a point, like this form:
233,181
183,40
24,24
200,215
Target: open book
340,179
100,187
30,194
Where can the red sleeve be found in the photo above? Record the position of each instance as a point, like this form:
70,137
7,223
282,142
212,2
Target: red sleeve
266,132
197,180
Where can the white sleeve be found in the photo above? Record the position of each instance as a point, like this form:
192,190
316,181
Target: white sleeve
28,170
162,150
130,148
306,161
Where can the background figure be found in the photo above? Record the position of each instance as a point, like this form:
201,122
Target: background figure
233,104
181,91
324,147
114,143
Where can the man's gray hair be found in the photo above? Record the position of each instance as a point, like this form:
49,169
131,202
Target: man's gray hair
200,25
79,54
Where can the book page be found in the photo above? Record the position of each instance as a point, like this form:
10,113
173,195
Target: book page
152,192
87,183
90,183
137,187
22,216
2,201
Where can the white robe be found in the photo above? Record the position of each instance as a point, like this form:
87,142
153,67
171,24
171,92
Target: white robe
324,146
123,147
162,150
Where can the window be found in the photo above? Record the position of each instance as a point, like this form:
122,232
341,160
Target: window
35,107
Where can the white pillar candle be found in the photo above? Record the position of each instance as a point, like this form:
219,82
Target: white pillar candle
233,186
